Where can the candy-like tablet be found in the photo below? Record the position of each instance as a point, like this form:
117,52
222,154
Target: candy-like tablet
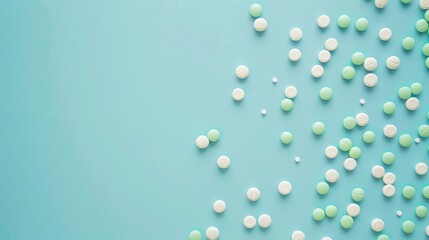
393,62
377,225
385,34
212,233
377,171
370,64
331,152
317,71
264,221
331,44
291,92
362,119
332,175
353,210
324,56
249,222
412,103
284,188
294,54
219,206
390,130
323,21
242,71
260,24
370,80
421,168
238,94
202,142
350,164
389,190
295,34
389,178
223,162
253,194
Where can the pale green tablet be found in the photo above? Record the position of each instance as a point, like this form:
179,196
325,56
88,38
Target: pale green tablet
383,237
406,1
286,137
408,226
358,194
423,130
421,211
368,137
362,24
416,88
427,15
195,235
322,188
346,222
343,21
388,158
408,43
213,135
255,10
348,73
331,211
355,152
287,104
389,108
427,62
318,214
408,192
345,144
318,128
349,123
326,93
405,140
422,25
425,49
404,93
358,58
425,192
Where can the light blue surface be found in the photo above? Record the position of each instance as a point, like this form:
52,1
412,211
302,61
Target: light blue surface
101,102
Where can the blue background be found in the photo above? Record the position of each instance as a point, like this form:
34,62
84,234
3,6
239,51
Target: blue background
101,102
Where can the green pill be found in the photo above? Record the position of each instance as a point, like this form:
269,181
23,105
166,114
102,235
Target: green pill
389,108
358,58
427,62
423,130
408,192
388,158
368,137
343,21
416,88
383,237
405,140
349,123
348,73
358,194
287,104
404,93
318,214
322,188
408,43
345,144
326,93
286,137
427,15
408,226
255,10
318,128
362,24
213,135
346,222
421,25
425,49
421,211
406,1
195,235
355,152
331,211
425,192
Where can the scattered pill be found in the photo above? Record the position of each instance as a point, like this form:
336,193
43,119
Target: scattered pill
389,108
362,119
195,235
291,92
260,24
408,43
326,238
263,112
343,21
348,73
249,222
422,25
323,21
324,56
223,162
318,128
399,213
331,152
408,226
349,123
416,88
255,10
298,235
380,3
355,152
408,192
370,80
212,233
417,140
326,93
383,237
377,171
294,54
425,49
424,4
345,144
318,214
219,206
242,71
331,44
353,210
253,194
368,137
412,103
297,159
421,211
389,178
393,62
421,168
389,190
332,175
427,230
405,140
286,104
317,71
213,135
202,142
406,1
385,34
361,24
264,221
331,211
377,225
350,164
358,194
275,80
390,130
358,58
286,137
388,158
362,101
346,222
404,93
295,34
370,64
284,188
322,188
425,192
238,94
423,130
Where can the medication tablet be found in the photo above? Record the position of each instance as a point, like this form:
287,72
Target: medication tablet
242,71
318,128
213,135
286,138
249,222
318,214
362,119
286,104
377,225
202,142
349,123
388,158
195,235
389,108
399,213
284,188
389,178
355,152
405,140
421,211
350,164
425,48
295,34
317,71
423,130
219,206
390,130
362,101
343,21
353,210
348,73
380,3
427,230
358,194
291,92
331,152
346,222
377,171
260,24
404,93
368,137
253,194
370,80
238,94
294,54
331,211
323,21
298,235
417,140
331,44
326,238
425,192
322,188
412,103
345,144
408,43
408,226
421,168
385,34
264,221
275,80
416,88
212,233
332,175
324,56
326,93
358,58
421,25
424,4
361,24
393,62
223,162
255,10
370,64
263,112
389,190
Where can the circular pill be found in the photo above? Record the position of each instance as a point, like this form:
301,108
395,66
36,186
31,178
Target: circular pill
249,222
345,144
427,62
389,178
295,34
298,235
332,175
408,226
322,188
383,237
297,159
255,10
213,135
242,71
416,88
362,119
412,103
408,192
286,104
385,34
421,211
404,93
326,93
318,214
318,128
389,190
260,24
425,48
353,210
406,1
294,54
421,168
350,164
358,194
286,137
331,211
399,213
284,188
368,137
380,3
238,94
389,108
195,235
219,206
422,25
388,158
377,171
370,80
317,71
355,152
212,233
358,58
348,73
405,140
423,130
202,142
349,123
324,56
223,162
408,43
275,80
331,152
427,230
425,192
343,21
264,221
390,130
331,44
393,62
326,238
424,4
370,64
361,24
323,21
253,194
263,112
291,92
346,222
417,140
377,225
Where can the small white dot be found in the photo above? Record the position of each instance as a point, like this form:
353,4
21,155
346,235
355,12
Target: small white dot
362,101
297,159
263,111
399,213
417,140
275,80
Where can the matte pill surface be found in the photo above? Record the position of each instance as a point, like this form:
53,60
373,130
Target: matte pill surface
358,194
377,225
370,80
349,123
286,105
393,62
421,211
408,43
202,142
238,94
326,93
318,214
346,222
377,171
294,54
408,226
286,137
370,64
323,21
260,24
317,71
389,178
332,175
242,71
353,210
322,188
331,211
331,44
219,206
291,92
385,34
253,194
298,235
284,188
213,135
421,168
389,108
389,190
405,140
249,222
295,34
331,152
348,73
362,24
324,56
195,235
212,233
390,130
223,162
264,221
345,144
358,58
350,164
255,10
343,21
408,192
380,3
318,128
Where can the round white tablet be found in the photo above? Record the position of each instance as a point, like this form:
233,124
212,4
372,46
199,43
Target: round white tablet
219,206
331,44
332,175
324,56
362,101
202,142
275,80
362,119
350,164
298,235
389,190
238,94
264,221
389,178
412,103
294,54
370,80
385,34
331,152
353,210
263,111
377,171
317,71
223,162
253,194
297,159
370,64
291,92
326,238
393,62
295,34
424,4
399,213
242,71
390,130
284,187
249,222
417,140
421,168
377,225
260,24
212,233
380,3
323,21
427,230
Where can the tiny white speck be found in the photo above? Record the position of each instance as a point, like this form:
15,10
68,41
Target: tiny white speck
297,159
263,111
417,140
399,213
275,80
362,101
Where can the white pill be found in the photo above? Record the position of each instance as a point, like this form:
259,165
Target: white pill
380,3
412,103
326,238
297,159
399,213
377,171
238,94
332,175
389,178
370,80
295,34
362,119
331,44
427,230
350,164
298,235
249,222
264,221
385,34
362,101
242,71
263,111
253,194
219,206
393,62
370,64
389,190
291,91
294,54
324,56
317,71
331,152
275,80
212,233
424,4
417,140
202,142
284,187
390,130
421,168
223,162
353,210
323,21
377,225
260,24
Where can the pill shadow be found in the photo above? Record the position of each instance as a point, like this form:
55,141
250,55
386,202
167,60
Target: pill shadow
325,102
223,171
